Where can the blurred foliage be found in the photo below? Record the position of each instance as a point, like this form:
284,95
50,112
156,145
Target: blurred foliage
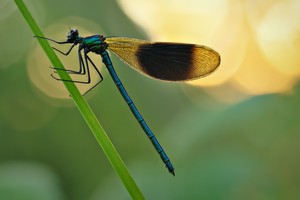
246,150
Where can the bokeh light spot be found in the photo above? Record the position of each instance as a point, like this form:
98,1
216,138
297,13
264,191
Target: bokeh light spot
257,57
279,38
39,65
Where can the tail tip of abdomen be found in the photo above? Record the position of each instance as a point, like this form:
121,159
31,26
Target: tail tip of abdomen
172,172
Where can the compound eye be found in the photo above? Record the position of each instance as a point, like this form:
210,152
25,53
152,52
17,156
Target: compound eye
72,34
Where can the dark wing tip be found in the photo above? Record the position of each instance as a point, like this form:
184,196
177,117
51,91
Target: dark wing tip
176,61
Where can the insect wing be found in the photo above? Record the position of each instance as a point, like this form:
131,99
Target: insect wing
165,61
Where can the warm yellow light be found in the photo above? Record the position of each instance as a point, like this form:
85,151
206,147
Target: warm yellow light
278,35
259,41
39,65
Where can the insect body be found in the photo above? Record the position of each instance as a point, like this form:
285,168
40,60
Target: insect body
159,60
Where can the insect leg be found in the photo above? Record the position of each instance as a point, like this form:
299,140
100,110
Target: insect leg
82,67
88,59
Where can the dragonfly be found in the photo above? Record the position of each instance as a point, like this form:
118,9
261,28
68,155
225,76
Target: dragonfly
164,61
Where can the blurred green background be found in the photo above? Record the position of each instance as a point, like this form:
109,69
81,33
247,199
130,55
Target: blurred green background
244,149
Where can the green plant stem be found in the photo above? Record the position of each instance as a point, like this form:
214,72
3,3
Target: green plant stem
85,110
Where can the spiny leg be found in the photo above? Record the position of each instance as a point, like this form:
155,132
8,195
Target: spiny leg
63,53
67,53
82,66
88,59
57,42
81,70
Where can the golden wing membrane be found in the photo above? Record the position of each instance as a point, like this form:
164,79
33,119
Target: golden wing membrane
165,61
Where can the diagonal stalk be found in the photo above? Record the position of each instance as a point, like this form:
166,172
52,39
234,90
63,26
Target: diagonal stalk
85,110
